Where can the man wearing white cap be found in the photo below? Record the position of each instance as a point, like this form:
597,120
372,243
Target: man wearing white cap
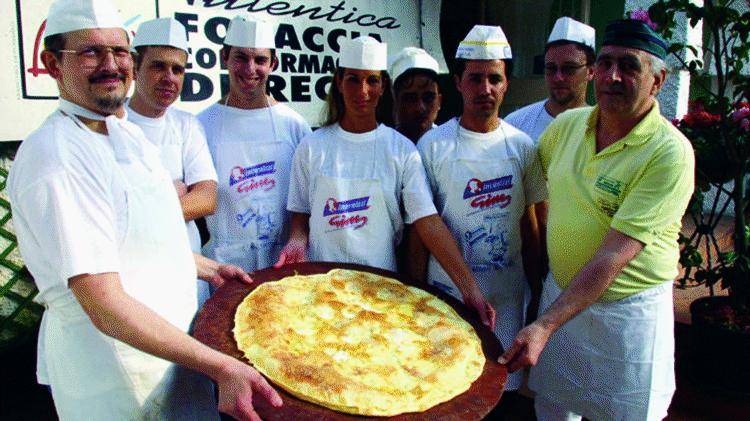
620,177
252,139
416,94
568,69
416,102
352,177
485,178
162,49
102,233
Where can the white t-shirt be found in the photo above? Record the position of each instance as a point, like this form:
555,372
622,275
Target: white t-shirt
441,145
532,119
71,170
392,159
182,142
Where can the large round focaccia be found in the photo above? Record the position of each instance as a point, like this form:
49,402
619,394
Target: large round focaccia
358,343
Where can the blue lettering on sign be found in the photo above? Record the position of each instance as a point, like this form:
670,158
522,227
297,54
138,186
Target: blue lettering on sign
241,174
476,187
334,207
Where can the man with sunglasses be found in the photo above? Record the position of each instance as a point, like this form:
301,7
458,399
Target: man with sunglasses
568,68
620,177
101,231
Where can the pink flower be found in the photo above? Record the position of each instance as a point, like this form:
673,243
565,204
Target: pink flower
642,15
745,124
740,114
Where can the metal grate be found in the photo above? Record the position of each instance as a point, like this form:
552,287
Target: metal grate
19,315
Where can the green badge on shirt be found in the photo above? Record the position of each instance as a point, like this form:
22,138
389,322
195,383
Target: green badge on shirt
612,187
609,185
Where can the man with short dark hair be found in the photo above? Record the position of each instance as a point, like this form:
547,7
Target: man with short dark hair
485,178
620,177
416,93
568,68
162,51
252,139
416,102
100,229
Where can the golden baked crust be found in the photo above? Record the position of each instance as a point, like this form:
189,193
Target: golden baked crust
358,343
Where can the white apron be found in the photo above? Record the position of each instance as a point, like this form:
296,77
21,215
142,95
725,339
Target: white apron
249,227
483,209
613,361
95,377
171,157
349,221
170,151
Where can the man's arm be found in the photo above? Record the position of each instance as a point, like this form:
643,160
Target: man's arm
417,255
217,273
438,239
294,250
616,250
117,314
531,252
199,201
540,212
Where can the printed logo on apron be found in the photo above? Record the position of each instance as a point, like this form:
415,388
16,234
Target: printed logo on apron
248,179
341,213
487,243
487,194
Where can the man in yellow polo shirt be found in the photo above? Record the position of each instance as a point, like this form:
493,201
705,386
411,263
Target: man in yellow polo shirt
620,177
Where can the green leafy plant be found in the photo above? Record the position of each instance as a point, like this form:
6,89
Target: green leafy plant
718,126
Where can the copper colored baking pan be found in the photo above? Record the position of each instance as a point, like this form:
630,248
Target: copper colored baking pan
215,321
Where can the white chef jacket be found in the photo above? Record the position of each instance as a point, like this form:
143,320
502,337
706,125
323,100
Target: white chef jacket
70,203
183,149
397,165
71,170
532,119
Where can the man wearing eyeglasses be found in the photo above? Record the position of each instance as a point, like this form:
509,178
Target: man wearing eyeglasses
620,177
568,68
102,233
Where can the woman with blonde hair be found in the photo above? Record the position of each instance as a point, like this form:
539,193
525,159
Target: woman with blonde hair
352,177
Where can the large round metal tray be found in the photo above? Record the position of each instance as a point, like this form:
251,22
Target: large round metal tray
215,321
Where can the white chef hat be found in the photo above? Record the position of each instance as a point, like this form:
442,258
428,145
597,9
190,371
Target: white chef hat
567,29
247,32
73,15
167,32
364,53
484,43
411,58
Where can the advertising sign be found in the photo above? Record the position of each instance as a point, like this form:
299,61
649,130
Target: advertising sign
307,41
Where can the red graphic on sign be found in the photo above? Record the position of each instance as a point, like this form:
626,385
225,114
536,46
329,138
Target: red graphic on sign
485,201
343,221
265,184
35,69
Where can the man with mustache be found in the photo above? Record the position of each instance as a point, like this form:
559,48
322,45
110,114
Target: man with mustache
485,177
620,177
100,229
568,68
249,130
162,51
